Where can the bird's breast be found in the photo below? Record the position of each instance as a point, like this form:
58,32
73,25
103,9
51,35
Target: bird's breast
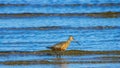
65,46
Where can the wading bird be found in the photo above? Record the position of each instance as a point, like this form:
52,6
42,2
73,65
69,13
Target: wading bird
62,46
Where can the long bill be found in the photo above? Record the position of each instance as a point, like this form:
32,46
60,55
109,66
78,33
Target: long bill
77,42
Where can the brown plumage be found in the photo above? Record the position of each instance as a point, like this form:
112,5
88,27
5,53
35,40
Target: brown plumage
62,46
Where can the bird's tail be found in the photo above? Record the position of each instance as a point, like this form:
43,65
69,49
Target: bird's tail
49,47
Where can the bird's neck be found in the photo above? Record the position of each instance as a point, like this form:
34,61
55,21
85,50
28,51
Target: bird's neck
68,41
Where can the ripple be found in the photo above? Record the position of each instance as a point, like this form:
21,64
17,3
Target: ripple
99,15
60,27
63,5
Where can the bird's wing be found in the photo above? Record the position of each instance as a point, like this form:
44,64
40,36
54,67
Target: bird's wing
58,45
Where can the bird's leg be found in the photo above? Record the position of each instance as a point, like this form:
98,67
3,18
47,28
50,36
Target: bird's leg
63,52
60,54
56,54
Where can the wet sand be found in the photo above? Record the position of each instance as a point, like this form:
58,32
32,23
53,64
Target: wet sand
89,57
94,15
69,52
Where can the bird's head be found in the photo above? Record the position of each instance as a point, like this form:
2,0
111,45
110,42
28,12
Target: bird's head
71,38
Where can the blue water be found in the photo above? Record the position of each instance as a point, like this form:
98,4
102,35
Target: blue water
59,21
35,33
30,40
58,9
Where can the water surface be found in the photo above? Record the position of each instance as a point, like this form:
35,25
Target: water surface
34,25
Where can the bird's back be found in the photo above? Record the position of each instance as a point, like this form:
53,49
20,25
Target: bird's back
58,46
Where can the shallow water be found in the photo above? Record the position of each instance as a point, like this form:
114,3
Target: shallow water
31,25
35,40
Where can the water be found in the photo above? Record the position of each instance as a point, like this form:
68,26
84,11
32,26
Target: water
29,25
35,40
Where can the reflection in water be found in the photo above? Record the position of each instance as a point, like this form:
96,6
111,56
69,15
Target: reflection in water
62,63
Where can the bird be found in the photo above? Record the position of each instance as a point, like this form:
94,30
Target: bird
62,46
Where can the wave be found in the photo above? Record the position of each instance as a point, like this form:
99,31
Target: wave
100,14
26,43
61,27
68,52
63,5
